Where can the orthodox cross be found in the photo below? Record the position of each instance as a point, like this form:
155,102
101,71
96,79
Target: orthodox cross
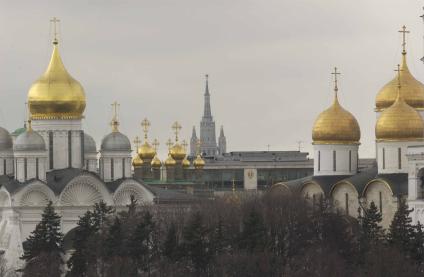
184,144
198,143
177,127
137,142
55,20
398,70
169,144
335,73
115,122
404,32
155,144
145,124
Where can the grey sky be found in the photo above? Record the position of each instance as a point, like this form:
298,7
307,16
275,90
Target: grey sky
269,62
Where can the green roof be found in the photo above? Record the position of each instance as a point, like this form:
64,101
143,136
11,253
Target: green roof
18,131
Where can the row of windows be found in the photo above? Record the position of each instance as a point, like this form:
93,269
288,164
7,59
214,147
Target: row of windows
399,158
335,160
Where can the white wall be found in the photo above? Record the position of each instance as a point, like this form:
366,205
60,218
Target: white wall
389,162
323,159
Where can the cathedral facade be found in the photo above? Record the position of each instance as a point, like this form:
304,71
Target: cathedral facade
399,139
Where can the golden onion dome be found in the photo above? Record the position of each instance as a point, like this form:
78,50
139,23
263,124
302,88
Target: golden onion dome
186,163
146,151
399,122
336,125
156,163
137,161
412,90
56,95
170,161
177,152
199,163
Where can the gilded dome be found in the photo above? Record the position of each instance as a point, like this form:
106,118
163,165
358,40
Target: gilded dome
186,163
56,95
156,163
335,125
137,161
199,163
170,161
146,151
399,122
177,151
412,90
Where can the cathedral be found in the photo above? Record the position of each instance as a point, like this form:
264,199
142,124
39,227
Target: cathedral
399,141
54,159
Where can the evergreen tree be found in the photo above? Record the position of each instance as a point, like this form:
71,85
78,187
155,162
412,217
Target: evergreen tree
170,248
253,235
370,232
143,245
196,243
132,206
100,214
113,242
79,260
417,243
401,231
46,239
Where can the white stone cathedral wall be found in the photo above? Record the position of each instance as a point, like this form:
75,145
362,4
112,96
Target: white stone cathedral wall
338,195
391,156
325,156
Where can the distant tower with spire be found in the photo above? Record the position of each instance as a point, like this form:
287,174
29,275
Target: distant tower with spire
208,143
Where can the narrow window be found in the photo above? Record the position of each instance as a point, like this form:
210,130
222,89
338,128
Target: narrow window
334,161
400,158
319,160
347,203
36,168
51,165
112,168
82,146
25,168
384,158
313,201
69,148
381,202
350,160
4,166
123,168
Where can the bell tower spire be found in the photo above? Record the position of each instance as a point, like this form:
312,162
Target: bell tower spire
207,126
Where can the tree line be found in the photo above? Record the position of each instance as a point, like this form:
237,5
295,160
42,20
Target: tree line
272,235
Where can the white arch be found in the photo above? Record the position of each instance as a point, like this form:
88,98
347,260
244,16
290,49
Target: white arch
84,190
5,200
311,189
379,191
338,195
35,194
130,187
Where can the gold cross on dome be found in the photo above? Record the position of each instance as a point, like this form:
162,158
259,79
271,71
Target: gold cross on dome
177,127
115,122
198,143
55,20
155,144
184,144
169,144
145,124
398,70
335,73
404,32
137,142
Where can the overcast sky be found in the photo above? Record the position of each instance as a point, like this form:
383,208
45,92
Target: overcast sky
269,62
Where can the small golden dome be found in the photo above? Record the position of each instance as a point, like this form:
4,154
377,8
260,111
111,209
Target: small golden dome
137,161
177,151
186,163
335,125
199,163
399,122
146,151
170,161
156,163
412,90
56,95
